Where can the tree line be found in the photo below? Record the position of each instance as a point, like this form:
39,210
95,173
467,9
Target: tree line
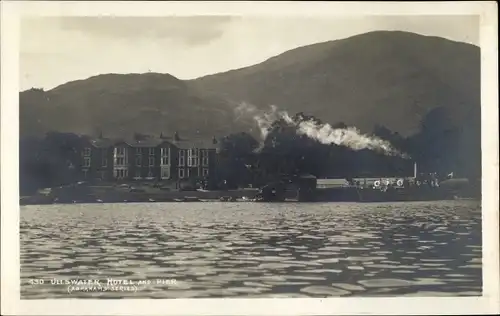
438,146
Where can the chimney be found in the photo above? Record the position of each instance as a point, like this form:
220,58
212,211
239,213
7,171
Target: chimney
176,136
161,135
214,140
100,135
415,169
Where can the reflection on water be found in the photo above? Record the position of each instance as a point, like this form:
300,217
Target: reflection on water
255,250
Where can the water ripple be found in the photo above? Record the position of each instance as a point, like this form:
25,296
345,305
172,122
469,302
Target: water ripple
255,250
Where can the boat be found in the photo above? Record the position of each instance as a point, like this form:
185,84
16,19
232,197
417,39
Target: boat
309,189
188,199
228,199
341,194
402,194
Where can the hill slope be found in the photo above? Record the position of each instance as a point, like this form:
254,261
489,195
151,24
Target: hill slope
120,105
385,77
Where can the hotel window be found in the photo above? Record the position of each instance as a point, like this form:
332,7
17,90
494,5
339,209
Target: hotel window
182,157
103,175
104,158
192,157
150,173
138,161
205,172
86,162
165,173
151,161
121,173
181,173
86,151
138,173
204,157
120,161
138,151
120,156
165,156
151,151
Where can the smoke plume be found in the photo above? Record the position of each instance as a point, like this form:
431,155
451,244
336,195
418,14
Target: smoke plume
349,137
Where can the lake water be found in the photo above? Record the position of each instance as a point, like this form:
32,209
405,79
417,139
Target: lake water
190,250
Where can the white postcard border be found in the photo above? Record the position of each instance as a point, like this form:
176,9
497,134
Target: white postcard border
10,277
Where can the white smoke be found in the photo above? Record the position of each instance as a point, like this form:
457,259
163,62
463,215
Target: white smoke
349,137
263,119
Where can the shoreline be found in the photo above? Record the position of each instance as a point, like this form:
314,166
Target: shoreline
229,199
105,195
114,196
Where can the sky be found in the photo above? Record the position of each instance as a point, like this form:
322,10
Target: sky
55,50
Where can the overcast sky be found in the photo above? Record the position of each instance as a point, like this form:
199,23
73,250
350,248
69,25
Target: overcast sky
55,50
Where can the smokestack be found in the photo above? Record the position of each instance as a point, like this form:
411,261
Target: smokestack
415,170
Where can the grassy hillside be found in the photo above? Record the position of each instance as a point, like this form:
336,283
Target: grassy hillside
120,105
387,78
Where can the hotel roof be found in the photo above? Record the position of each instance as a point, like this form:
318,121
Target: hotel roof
154,142
194,143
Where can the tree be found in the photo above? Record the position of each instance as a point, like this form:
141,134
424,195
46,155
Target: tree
236,153
443,147
48,162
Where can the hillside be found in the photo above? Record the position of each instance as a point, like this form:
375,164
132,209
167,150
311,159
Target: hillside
120,105
385,77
